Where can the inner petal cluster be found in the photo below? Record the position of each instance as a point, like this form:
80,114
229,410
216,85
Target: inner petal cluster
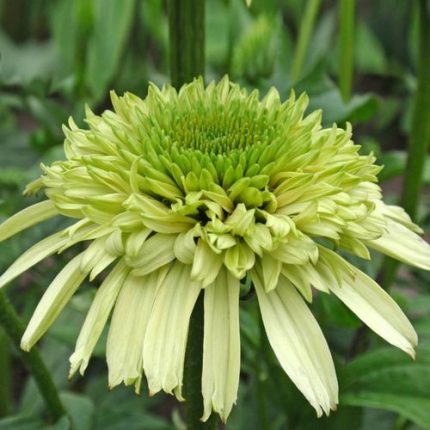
244,177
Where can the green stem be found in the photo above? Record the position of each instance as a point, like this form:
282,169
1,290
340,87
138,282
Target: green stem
420,128
419,137
84,16
346,47
5,386
32,360
261,388
187,40
306,28
187,61
193,372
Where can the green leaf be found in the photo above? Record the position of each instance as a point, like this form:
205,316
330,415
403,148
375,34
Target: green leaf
80,409
25,63
387,379
112,26
359,109
369,52
29,422
20,422
394,163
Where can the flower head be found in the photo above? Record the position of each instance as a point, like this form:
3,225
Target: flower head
195,190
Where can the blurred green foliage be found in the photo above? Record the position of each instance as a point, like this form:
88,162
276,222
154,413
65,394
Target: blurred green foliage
58,55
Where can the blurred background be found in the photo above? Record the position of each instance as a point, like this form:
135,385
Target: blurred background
361,67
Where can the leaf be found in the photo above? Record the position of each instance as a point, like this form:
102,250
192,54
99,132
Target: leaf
23,64
29,422
369,52
359,109
80,409
337,313
112,25
387,379
21,422
394,163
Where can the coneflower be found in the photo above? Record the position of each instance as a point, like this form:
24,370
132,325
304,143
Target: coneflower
197,190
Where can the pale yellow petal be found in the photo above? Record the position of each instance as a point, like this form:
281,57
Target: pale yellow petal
26,218
34,255
166,336
154,253
124,350
206,264
97,316
298,343
53,301
404,245
221,346
371,303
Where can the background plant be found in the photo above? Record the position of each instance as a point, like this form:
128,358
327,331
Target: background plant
58,55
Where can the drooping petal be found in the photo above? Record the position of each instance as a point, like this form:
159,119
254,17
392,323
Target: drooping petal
298,250
371,303
34,255
404,245
239,259
154,253
206,264
298,343
53,301
185,247
124,350
26,218
271,269
97,316
221,346
166,336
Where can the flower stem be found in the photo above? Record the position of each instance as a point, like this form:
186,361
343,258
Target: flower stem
187,40
187,61
306,27
346,47
32,360
5,387
419,137
420,128
193,372
419,140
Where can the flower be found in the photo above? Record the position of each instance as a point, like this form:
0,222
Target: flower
193,191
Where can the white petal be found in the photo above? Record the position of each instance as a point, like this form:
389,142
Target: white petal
27,218
404,245
166,336
53,301
298,343
371,304
221,347
124,350
97,316
34,255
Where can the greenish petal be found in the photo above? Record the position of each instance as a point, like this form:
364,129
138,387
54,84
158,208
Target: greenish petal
27,218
